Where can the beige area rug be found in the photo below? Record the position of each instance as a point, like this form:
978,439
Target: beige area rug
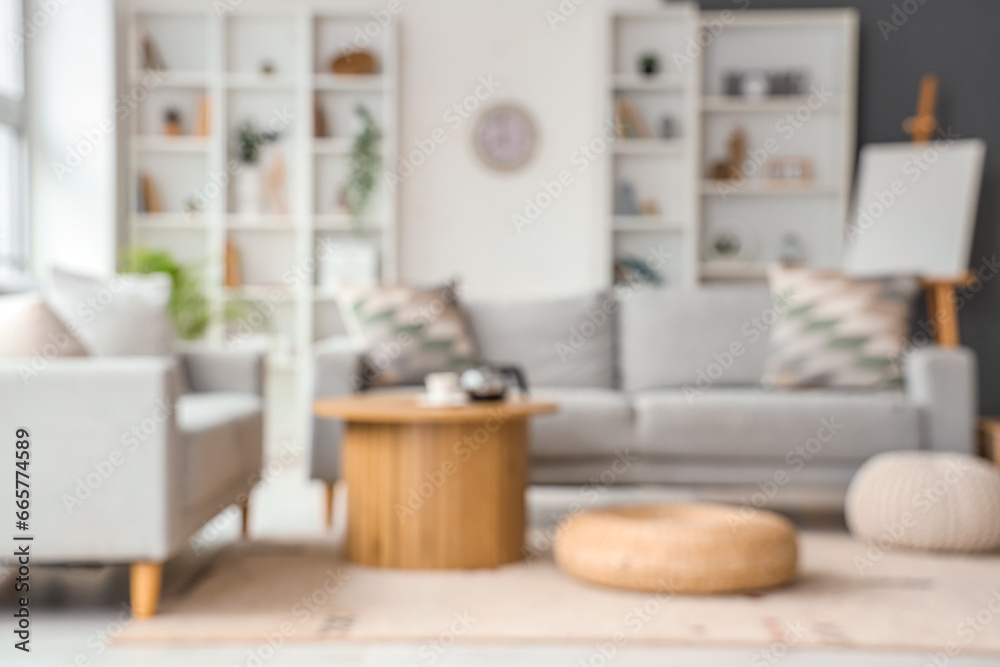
260,592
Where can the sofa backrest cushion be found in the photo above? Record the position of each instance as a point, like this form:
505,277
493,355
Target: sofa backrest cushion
558,343
713,336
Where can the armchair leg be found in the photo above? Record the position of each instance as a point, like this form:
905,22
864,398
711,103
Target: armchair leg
244,504
328,505
145,580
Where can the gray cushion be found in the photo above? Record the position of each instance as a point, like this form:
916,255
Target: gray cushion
590,422
707,337
218,431
559,343
780,425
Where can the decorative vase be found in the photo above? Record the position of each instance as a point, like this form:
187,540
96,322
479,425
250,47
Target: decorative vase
347,261
248,183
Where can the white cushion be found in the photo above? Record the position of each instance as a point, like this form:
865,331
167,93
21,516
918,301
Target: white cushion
939,501
123,315
31,329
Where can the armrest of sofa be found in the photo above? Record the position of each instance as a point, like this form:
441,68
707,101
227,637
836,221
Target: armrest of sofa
105,456
218,370
337,370
942,383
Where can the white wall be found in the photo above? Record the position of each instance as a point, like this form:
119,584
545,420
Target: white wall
455,214
71,89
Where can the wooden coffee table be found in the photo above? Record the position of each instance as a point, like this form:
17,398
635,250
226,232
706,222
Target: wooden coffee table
433,487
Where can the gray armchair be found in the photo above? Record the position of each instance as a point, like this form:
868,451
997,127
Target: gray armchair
123,468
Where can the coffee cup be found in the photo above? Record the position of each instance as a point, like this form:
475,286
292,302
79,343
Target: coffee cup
442,385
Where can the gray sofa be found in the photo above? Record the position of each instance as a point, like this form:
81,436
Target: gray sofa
125,469
669,381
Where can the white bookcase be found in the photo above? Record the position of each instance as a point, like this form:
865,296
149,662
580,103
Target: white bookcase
221,57
766,216
661,170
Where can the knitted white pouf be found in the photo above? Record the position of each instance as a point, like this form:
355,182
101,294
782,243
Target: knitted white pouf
936,501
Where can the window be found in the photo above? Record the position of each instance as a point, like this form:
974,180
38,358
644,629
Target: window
13,218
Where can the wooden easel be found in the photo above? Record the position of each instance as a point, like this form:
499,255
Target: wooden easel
940,293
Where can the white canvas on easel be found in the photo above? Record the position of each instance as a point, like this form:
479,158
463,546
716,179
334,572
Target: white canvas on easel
915,209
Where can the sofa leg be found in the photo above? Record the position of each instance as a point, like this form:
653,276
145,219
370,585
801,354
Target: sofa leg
328,505
245,515
145,580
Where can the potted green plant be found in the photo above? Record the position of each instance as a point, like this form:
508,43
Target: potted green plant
365,160
190,310
248,183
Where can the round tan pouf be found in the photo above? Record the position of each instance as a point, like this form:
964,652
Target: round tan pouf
935,501
678,548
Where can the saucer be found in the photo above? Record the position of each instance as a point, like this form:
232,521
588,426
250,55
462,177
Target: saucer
451,400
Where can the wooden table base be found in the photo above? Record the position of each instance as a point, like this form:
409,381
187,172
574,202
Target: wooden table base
435,495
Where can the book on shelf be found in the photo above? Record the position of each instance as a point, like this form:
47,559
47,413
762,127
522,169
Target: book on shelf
233,269
203,121
149,198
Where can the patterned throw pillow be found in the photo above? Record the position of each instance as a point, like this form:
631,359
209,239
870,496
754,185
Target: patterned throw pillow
408,332
836,331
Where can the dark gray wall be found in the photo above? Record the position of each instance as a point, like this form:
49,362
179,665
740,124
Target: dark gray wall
958,40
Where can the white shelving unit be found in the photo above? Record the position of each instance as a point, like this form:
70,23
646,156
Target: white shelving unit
219,56
820,126
661,169
761,213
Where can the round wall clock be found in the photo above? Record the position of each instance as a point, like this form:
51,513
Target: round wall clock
504,137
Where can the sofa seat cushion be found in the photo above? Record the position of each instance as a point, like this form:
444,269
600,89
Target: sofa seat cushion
589,422
222,434
796,427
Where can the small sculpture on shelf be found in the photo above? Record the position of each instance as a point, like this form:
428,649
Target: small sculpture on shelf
267,67
792,249
758,83
629,122
790,169
355,62
151,57
190,206
650,207
626,202
668,127
274,194
729,169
